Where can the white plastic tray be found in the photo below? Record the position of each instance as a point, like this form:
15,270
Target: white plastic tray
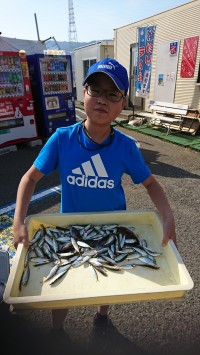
79,287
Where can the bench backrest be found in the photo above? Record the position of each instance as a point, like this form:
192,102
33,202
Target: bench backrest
168,107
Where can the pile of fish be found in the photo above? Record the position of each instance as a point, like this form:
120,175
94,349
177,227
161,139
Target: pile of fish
104,247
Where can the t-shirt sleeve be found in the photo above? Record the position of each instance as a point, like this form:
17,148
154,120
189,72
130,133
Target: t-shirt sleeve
47,160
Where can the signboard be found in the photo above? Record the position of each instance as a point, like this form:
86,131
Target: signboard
54,52
173,48
189,57
145,53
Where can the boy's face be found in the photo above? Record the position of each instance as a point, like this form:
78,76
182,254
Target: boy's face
102,109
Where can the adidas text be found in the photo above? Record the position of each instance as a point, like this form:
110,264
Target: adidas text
85,181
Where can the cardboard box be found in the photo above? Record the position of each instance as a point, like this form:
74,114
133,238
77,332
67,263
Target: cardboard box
79,288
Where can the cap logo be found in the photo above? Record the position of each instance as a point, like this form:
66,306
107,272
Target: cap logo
107,66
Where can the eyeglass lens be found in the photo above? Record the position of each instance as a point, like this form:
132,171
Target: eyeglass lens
111,95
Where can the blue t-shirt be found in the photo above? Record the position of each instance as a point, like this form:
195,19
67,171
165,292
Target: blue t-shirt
91,175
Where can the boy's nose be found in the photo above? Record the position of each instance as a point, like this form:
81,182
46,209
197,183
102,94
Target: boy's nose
102,98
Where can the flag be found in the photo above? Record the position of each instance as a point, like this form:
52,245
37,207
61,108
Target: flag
189,57
144,64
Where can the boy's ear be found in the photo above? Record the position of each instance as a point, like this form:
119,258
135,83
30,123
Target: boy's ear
124,101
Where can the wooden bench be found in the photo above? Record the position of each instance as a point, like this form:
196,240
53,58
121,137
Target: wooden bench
171,116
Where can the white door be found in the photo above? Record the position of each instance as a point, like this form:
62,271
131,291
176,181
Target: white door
166,71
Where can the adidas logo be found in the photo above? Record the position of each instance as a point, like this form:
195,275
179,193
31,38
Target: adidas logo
91,174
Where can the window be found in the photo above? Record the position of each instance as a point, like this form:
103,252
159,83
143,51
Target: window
86,65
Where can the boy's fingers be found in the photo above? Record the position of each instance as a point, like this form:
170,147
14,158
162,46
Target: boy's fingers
26,243
22,240
164,242
166,239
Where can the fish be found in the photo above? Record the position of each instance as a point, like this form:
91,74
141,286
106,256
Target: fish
81,261
143,261
83,244
48,240
69,253
120,258
134,255
91,252
26,258
36,237
25,277
112,267
95,262
94,272
102,247
109,260
74,232
61,271
101,270
63,239
37,261
140,251
51,273
110,240
127,266
66,246
75,245
46,249
39,252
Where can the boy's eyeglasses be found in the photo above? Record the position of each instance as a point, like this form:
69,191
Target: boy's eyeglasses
111,95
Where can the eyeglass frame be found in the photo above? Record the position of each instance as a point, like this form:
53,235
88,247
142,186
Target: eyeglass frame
103,91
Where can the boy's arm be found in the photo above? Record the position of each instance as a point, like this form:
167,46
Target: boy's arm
161,202
24,193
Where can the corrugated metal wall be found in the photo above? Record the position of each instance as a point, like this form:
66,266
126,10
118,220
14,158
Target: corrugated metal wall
176,24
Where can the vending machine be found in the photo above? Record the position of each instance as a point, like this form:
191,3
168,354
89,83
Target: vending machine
52,86
17,116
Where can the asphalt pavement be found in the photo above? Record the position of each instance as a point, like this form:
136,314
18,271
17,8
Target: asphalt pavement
147,328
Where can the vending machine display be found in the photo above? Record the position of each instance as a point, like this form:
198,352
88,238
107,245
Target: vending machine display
52,86
17,117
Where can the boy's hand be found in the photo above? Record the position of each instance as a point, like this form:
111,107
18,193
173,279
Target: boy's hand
21,235
169,233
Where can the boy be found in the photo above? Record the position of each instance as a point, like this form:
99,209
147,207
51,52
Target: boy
91,158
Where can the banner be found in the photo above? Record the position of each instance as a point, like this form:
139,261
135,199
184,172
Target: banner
173,48
189,57
145,53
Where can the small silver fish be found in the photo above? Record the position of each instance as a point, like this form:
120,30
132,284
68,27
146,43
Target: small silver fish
120,258
51,273
75,245
81,261
25,277
39,252
61,271
95,262
83,244
94,272
36,237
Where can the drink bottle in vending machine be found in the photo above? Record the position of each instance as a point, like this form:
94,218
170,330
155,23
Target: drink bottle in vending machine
52,86
17,116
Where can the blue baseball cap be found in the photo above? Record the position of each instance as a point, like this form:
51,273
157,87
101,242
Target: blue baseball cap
113,69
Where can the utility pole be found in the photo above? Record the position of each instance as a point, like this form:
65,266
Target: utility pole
72,27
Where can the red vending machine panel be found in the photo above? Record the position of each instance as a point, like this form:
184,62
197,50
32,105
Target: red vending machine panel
17,117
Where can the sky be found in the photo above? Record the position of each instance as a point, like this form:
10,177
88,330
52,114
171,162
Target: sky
94,20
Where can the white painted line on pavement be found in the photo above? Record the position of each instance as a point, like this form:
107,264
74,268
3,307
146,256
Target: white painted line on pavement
36,196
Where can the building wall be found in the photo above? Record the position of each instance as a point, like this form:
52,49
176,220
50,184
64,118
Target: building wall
98,51
172,25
